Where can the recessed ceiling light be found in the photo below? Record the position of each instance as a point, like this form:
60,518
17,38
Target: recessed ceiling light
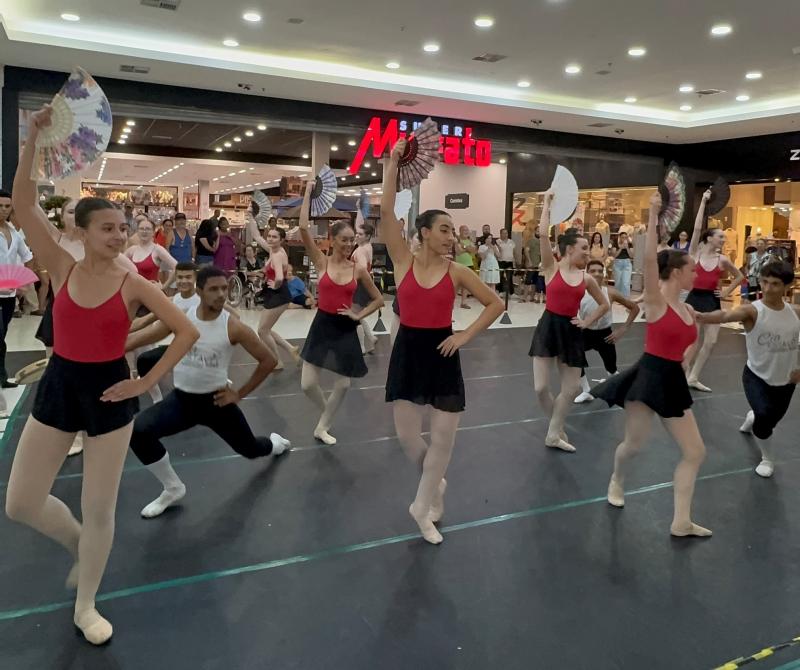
367,165
777,178
230,43
686,108
742,98
686,88
721,29
484,22
230,174
249,133
503,161
374,174
305,156
121,140
237,139
252,17
431,48
305,174
130,122
636,52
755,74
262,126
393,65
524,83
334,147
228,144
241,171
358,176
67,16
630,99
343,178
573,69
351,143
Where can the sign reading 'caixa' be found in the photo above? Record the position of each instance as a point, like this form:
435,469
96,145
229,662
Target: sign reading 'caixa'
456,201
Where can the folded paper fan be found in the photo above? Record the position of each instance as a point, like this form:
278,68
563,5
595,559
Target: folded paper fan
32,372
402,204
565,195
262,208
421,155
673,199
79,131
720,195
16,276
324,193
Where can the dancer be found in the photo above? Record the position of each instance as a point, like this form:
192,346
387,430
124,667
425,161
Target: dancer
332,342
425,368
705,295
363,257
772,329
599,335
149,257
657,383
558,336
86,385
203,395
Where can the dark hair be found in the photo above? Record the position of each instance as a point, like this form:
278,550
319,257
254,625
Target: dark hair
426,219
781,270
669,260
186,266
708,232
207,272
596,234
595,261
368,228
4,193
339,226
179,215
568,239
85,207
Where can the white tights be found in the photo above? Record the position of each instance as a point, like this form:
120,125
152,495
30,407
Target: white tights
309,381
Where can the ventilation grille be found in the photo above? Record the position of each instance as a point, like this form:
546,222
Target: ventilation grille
171,5
296,21
710,91
407,103
600,125
603,72
490,58
134,69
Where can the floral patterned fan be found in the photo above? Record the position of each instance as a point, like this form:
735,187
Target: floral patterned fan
262,208
421,155
79,132
324,193
673,199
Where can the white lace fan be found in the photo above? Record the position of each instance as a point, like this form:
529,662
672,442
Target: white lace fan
402,204
262,208
324,193
79,132
565,196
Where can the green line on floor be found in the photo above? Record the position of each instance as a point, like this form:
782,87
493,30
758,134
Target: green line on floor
12,419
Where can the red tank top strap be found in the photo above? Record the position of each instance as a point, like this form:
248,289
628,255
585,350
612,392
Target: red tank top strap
562,298
426,307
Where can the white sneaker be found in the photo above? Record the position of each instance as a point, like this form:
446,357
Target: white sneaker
279,444
765,468
584,397
747,426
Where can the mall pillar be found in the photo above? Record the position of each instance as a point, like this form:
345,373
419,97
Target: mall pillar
320,152
203,199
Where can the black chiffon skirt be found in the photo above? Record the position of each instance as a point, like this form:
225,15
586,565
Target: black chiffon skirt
332,344
556,337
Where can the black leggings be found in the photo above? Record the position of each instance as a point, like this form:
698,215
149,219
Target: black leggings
147,360
769,403
596,339
180,411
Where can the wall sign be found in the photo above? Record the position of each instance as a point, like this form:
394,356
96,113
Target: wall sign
456,201
456,145
794,154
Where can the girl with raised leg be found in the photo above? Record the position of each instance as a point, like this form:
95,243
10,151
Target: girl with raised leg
425,369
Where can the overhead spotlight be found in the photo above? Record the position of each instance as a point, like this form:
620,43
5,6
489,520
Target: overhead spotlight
351,143
262,126
228,145
130,122
686,108
686,88
393,65
573,69
373,174
524,83
721,29
431,48
121,141
252,17
503,161
334,147
230,43
358,176
637,52
237,139
249,133
484,21
630,99
742,98
367,165
66,16
753,75
305,156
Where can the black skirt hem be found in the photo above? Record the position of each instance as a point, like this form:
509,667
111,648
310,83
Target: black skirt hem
703,300
332,344
557,337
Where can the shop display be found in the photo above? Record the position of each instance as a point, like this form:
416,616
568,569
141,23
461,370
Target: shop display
324,194
565,195
420,156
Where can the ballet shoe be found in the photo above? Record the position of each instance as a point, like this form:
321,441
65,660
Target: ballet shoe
437,506
95,629
167,498
698,386
325,437
278,367
77,445
426,527
559,443
295,353
616,494
72,578
693,530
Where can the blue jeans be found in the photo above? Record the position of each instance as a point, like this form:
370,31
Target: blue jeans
623,268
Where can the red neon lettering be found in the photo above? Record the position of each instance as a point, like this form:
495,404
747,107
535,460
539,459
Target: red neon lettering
452,150
468,143
483,153
380,142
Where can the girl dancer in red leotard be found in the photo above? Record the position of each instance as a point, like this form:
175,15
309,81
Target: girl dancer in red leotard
657,383
86,385
425,368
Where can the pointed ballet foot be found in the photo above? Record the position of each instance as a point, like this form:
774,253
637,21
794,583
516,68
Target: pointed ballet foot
77,445
559,443
698,386
295,353
426,527
616,494
95,629
72,578
437,506
584,397
167,498
692,530
278,367
325,437
749,420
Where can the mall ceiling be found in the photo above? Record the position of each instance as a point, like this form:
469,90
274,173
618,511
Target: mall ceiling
644,50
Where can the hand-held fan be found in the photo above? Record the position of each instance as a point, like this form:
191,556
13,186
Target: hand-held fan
720,195
262,208
673,199
79,131
323,194
420,156
16,276
402,204
32,372
565,196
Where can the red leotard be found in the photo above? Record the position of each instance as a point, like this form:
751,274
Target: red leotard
90,334
707,280
147,268
426,307
563,299
331,297
669,337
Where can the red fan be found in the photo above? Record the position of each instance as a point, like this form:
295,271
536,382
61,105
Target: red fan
16,276
421,155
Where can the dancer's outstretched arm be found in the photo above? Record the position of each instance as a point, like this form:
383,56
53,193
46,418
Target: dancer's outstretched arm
391,231
633,311
698,224
317,257
548,260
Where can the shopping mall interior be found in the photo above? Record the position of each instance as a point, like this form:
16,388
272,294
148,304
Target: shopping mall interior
260,373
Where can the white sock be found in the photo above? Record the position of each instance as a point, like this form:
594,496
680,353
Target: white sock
280,444
585,384
765,468
747,426
174,488
155,394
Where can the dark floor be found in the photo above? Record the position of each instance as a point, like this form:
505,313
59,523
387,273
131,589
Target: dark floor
310,562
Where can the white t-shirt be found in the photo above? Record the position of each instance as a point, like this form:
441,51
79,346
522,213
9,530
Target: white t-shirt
772,344
506,250
185,304
205,368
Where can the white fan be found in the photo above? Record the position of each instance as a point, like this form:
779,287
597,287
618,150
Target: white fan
565,196
324,194
402,204
264,206
79,132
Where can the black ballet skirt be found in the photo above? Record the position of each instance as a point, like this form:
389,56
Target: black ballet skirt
275,297
703,300
332,343
556,337
657,382
419,373
44,333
